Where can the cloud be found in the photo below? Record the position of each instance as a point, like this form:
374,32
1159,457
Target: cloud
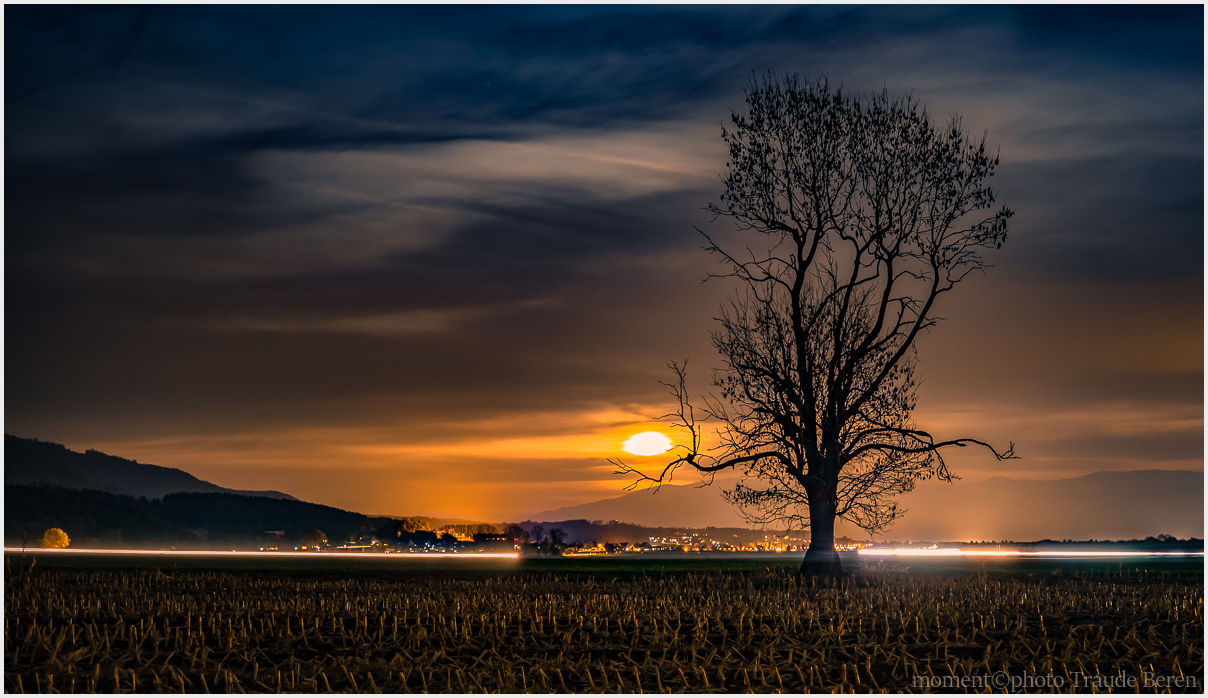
422,321
463,230
611,166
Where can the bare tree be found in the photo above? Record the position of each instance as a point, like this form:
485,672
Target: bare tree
854,216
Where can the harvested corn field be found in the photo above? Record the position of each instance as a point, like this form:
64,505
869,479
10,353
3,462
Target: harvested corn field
163,630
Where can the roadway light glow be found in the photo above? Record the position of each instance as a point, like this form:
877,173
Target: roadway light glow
250,553
958,552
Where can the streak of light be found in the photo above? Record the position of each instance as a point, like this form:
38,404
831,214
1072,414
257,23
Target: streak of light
251,553
958,552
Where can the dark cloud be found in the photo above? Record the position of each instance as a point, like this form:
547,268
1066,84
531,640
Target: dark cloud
1134,217
1165,36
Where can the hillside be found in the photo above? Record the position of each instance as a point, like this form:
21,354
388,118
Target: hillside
33,462
1113,505
183,519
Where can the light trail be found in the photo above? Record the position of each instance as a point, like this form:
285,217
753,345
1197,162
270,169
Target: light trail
252,553
959,552
870,552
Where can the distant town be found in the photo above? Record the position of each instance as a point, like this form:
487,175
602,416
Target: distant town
532,539
536,539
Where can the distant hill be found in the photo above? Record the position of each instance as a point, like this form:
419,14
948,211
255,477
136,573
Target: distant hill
1112,505
33,462
182,519
671,505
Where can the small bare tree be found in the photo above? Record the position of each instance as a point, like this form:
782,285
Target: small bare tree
855,216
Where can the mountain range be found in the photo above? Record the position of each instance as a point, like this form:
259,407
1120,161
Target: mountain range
1103,505
33,462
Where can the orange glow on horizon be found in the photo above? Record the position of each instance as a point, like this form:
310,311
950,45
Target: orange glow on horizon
512,466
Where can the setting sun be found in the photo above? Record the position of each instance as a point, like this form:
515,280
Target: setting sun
647,443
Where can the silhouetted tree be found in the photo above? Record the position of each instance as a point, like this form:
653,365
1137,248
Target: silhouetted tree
314,538
389,531
55,538
517,533
416,523
855,215
420,539
555,542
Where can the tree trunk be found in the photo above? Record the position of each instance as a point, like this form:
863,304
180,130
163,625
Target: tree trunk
821,559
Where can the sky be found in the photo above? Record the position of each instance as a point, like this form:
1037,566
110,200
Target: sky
433,260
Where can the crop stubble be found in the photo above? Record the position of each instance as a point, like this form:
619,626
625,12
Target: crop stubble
198,631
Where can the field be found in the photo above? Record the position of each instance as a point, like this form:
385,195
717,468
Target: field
613,625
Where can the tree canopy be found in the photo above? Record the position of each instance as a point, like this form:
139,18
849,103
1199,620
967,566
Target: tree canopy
55,538
854,216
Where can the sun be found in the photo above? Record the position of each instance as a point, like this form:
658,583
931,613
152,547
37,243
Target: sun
647,443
